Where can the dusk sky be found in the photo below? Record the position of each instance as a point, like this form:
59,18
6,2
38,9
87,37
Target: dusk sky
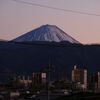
18,18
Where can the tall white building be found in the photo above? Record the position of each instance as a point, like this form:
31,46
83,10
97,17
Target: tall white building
79,76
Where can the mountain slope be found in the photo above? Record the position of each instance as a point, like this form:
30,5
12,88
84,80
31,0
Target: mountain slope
22,58
46,33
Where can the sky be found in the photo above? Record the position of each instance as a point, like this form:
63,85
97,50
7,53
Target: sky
19,18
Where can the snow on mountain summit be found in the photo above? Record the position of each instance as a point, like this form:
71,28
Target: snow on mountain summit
46,33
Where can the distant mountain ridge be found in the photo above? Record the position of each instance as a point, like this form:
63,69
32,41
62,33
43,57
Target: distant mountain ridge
50,33
18,58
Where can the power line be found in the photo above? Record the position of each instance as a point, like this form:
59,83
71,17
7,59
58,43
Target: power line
55,8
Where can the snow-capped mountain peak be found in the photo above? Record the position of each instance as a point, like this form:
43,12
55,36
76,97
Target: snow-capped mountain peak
46,33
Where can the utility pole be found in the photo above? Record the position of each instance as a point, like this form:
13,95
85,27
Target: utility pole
48,84
49,69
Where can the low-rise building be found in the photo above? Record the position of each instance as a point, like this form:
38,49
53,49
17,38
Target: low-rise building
96,82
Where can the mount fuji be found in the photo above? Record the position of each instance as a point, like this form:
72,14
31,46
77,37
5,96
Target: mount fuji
50,33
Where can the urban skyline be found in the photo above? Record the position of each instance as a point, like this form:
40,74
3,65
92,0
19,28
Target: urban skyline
49,49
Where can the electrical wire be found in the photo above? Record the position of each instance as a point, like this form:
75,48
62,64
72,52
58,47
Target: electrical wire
55,8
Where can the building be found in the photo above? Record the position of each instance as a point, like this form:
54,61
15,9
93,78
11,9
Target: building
25,80
79,76
96,82
39,79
